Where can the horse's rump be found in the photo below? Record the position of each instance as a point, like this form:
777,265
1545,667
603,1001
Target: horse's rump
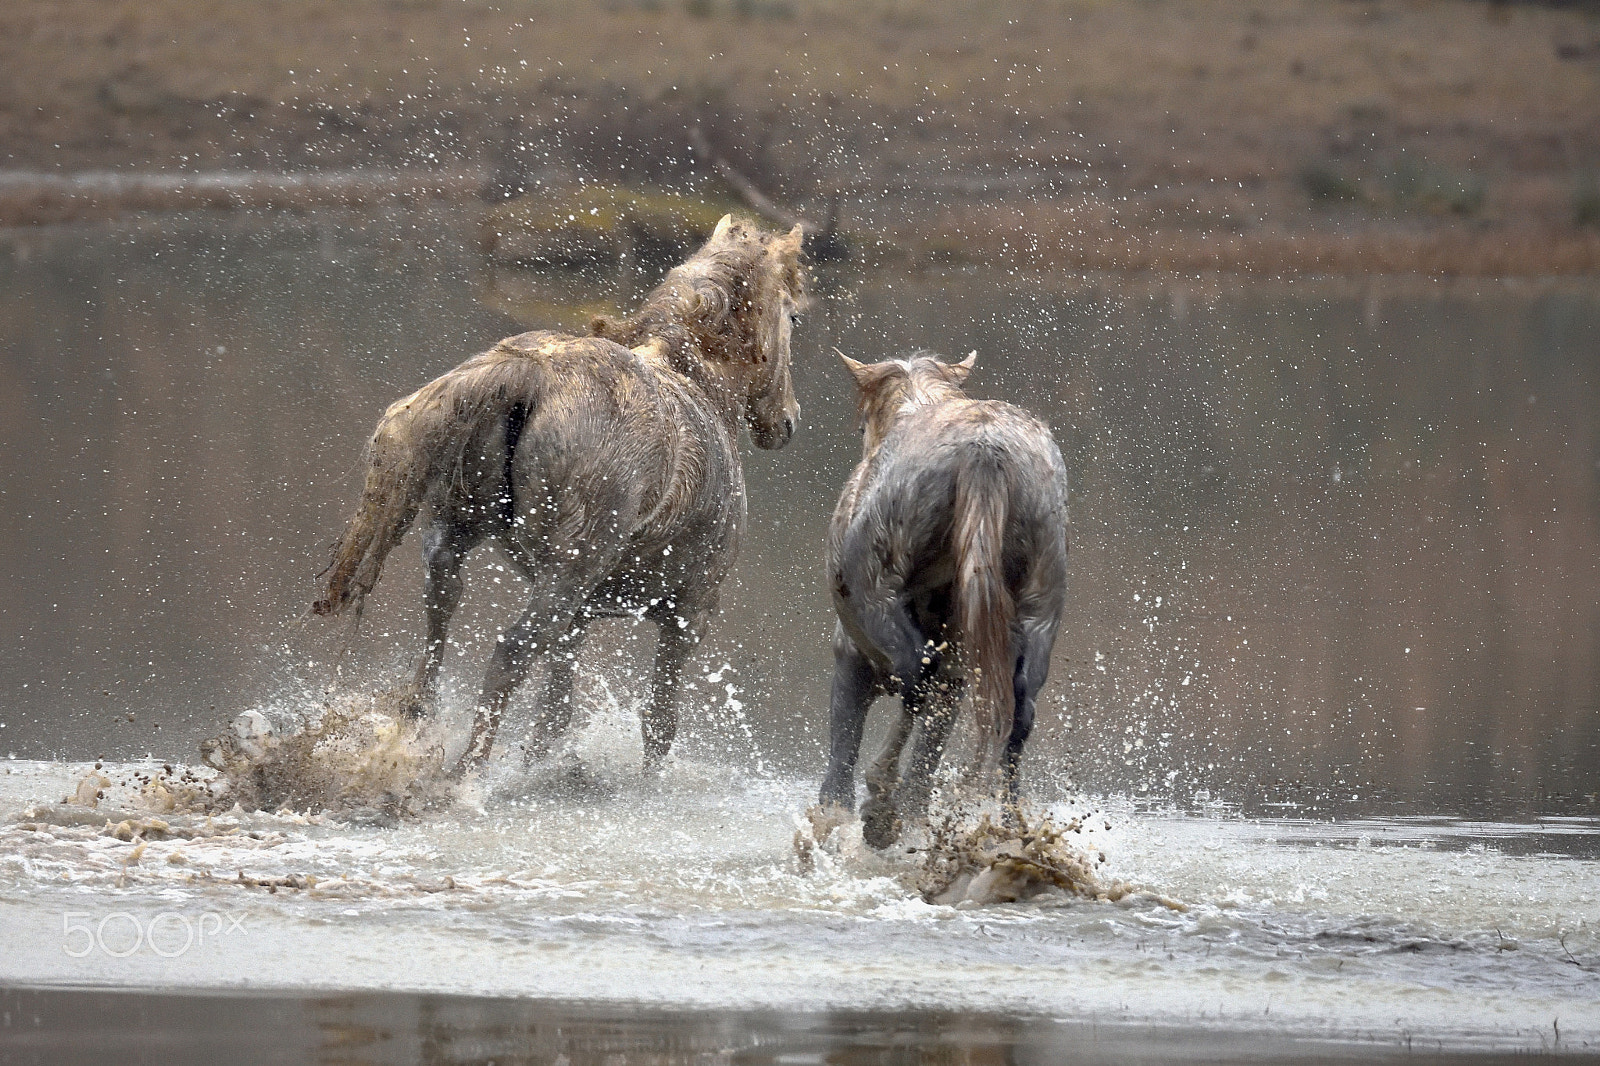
462,431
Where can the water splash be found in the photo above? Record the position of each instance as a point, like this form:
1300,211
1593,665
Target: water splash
357,754
969,855
1016,858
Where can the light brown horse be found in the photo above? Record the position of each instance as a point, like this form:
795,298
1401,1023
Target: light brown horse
606,467
947,560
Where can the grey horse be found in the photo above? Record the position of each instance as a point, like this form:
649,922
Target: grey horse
947,561
606,467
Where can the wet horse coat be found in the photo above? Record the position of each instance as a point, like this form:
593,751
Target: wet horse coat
606,467
947,562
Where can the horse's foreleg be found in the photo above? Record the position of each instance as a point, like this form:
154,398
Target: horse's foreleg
550,615
554,716
442,555
679,635
855,684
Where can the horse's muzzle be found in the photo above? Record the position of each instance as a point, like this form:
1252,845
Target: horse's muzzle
771,438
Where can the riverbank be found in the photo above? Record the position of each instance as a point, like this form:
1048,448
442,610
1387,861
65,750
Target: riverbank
1079,236
1285,136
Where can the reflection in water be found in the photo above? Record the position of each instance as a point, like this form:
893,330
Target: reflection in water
1333,546
445,1030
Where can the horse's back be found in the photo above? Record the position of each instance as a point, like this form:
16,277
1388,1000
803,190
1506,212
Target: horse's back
574,394
579,440
469,420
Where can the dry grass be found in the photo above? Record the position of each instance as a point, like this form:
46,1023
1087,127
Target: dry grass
589,223
1188,115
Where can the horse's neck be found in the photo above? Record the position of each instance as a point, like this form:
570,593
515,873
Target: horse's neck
688,451
917,399
691,368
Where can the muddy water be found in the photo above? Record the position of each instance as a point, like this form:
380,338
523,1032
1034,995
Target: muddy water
1334,555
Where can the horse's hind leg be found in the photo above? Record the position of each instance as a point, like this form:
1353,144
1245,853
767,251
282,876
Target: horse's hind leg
913,661
554,716
556,600
444,548
1033,666
880,824
933,732
659,722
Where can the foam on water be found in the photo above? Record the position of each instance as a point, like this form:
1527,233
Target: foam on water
584,879
353,755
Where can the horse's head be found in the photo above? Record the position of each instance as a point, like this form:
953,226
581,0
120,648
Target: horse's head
730,308
889,387
765,295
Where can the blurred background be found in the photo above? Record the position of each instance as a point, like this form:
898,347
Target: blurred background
1309,289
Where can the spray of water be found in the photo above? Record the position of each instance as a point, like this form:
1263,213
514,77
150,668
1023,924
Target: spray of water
971,854
354,754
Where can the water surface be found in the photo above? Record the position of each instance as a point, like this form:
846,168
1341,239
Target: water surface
1328,677
1335,545
686,893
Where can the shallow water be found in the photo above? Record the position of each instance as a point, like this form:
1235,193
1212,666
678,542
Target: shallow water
686,893
37,1025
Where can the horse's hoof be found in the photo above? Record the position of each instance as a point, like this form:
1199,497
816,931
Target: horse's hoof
880,825
836,793
1011,816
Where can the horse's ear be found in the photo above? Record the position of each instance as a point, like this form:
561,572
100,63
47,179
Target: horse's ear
723,227
794,239
957,372
862,372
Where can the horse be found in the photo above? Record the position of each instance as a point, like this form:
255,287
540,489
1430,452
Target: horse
607,469
946,560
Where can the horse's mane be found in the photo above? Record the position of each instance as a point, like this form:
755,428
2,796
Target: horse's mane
711,307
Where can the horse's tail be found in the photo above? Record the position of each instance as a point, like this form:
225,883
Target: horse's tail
401,462
984,607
